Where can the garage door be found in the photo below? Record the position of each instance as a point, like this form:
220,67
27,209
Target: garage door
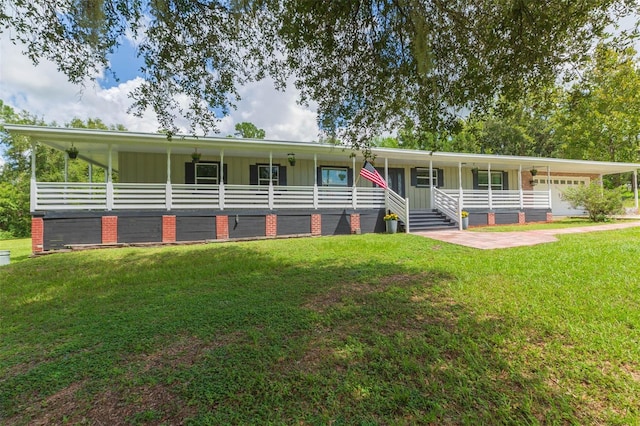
558,186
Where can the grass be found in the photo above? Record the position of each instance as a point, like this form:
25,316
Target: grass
568,222
370,329
20,249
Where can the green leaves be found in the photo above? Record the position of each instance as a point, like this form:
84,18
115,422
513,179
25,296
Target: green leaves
598,201
249,130
368,65
600,115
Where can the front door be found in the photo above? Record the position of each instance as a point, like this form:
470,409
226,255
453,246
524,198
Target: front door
395,180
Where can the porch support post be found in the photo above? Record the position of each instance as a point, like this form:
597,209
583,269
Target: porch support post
520,187
490,190
66,168
354,191
431,196
221,183
549,186
460,206
601,177
635,189
90,173
110,181
315,181
167,193
33,187
386,170
270,201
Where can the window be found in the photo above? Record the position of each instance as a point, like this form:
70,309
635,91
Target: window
422,177
206,173
334,176
496,180
264,176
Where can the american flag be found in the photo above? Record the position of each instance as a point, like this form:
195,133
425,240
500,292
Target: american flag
370,173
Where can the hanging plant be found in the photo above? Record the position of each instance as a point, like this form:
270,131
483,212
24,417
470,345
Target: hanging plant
195,156
72,152
533,172
292,159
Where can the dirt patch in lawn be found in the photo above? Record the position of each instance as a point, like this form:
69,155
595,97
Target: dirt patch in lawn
126,403
337,294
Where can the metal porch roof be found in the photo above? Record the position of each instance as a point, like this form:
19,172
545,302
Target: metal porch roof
94,147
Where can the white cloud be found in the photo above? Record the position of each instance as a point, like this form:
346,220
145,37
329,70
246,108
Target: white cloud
45,92
276,112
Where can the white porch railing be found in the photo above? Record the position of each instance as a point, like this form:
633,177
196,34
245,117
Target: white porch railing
200,197
447,204
70,196
501,199
398,205
102,196
136,196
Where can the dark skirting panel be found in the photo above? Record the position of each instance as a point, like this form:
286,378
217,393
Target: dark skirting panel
478,219
246,226
535,215
294,224
506,218
336,223
372,221
132,229
61,232
195,228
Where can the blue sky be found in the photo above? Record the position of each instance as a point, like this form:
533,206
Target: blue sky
125,63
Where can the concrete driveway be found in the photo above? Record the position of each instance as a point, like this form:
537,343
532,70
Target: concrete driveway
494,240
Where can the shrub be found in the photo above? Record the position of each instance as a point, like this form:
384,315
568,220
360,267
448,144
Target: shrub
598,201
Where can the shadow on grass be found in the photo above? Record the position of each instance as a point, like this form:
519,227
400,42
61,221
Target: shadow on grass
253,334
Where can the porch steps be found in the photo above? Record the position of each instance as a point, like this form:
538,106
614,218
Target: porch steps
429,220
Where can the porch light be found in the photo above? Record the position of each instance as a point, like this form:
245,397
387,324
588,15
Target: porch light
195,156
292,159
72,152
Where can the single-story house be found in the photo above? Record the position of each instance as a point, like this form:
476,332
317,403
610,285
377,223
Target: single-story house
215,188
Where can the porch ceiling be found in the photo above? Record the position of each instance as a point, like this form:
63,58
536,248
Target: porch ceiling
94,147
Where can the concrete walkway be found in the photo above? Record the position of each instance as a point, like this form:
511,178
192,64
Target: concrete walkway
494,240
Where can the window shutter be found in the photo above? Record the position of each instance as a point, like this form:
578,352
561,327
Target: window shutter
440,178
282,175
189,173
414,176
253,174
225,174
319,175
505,180
475,179
349,176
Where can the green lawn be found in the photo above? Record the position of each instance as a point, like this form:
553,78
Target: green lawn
20,249
568,222
369,329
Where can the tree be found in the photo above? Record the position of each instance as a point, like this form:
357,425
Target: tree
249,130
368,65
15,174
599,118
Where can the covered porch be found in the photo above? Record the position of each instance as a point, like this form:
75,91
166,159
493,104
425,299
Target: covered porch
150,179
